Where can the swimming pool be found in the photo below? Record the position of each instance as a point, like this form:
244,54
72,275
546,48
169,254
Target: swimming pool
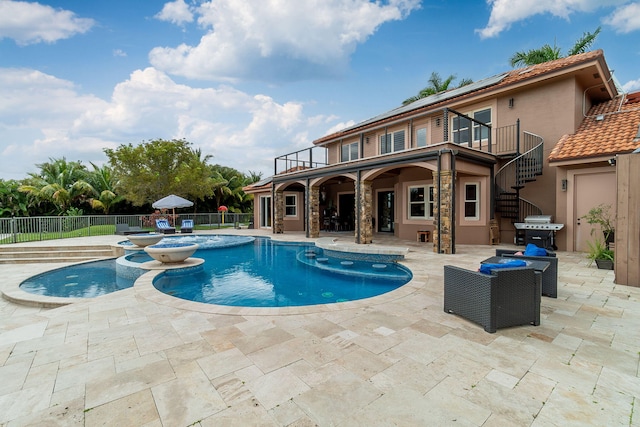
86,280
256,272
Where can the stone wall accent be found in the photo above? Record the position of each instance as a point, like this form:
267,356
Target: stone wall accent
442,232
278,212
365,205
314,216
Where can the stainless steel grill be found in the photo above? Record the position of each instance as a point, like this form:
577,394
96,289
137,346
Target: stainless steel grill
539,230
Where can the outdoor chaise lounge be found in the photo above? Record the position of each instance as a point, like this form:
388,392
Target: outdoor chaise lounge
549,277
124,229
162,226
506,297
187,226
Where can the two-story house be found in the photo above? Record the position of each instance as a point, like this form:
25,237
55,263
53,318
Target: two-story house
462,164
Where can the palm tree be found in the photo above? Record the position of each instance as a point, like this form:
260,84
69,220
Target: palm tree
547,53
103,182
436,85
12,201
59,182
253,177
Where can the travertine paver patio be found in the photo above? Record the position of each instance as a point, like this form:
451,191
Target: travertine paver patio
139,358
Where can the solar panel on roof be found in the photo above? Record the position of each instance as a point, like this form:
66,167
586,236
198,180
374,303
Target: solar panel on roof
433,99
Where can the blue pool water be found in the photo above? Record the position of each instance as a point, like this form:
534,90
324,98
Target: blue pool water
86,280
254,273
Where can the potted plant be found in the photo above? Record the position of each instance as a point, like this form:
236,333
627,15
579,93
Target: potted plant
601,254
601,215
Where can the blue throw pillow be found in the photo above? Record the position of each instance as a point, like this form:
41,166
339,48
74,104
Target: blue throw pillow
486,268
533,250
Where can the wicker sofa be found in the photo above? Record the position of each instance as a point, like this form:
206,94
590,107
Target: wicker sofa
507,297
549,277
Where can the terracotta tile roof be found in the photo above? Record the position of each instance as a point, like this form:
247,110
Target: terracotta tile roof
511,78
608,129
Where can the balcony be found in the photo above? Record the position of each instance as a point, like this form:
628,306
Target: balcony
504,142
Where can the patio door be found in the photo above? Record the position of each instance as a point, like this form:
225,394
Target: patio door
385,211
265,211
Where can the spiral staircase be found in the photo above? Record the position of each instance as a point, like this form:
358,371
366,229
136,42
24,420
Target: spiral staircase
525,167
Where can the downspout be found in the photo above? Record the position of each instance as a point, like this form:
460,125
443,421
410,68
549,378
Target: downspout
453,201
273,208
411,133
308,209
439,200
358,210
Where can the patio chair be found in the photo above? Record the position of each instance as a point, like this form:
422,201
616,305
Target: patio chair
187,226
506,297
162,226
125,229
549,277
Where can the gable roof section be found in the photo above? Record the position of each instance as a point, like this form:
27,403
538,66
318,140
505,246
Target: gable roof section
609,128
496,83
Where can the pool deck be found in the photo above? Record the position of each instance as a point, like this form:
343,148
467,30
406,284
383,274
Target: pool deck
140,358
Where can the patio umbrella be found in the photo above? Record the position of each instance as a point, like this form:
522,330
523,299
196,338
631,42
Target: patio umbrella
172,202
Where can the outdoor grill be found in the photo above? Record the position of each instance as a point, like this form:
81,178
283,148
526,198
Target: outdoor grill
539,230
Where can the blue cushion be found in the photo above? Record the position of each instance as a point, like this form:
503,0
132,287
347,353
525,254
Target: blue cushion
533,250
486,268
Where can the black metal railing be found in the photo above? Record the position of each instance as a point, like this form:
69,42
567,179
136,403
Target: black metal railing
312,157
28,229
513,176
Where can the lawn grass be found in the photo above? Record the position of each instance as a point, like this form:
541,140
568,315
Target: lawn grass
94,230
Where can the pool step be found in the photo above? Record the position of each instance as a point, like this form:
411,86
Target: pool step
40,254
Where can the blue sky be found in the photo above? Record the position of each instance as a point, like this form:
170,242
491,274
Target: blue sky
248,80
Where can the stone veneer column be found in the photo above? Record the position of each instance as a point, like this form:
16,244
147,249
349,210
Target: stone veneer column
365,206
442,232
278,212
314,217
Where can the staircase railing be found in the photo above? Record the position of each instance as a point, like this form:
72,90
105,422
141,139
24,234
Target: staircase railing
513,176
528,208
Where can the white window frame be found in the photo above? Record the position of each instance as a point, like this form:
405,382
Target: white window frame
352,154
476,201
418,131
476,127
265,211
391,136
472,129
428,202
294,205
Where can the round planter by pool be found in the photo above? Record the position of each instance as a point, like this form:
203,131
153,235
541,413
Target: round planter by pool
171,252
145,239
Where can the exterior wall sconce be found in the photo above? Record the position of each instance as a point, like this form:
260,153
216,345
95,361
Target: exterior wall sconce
612,161
438,122
563,185
511,102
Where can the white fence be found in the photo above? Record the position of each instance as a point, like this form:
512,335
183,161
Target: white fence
27,229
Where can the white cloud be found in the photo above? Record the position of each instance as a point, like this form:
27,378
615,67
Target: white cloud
176,12
29,23
625,19
631,86
338,127
51,118
275,40
119,52
504,13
